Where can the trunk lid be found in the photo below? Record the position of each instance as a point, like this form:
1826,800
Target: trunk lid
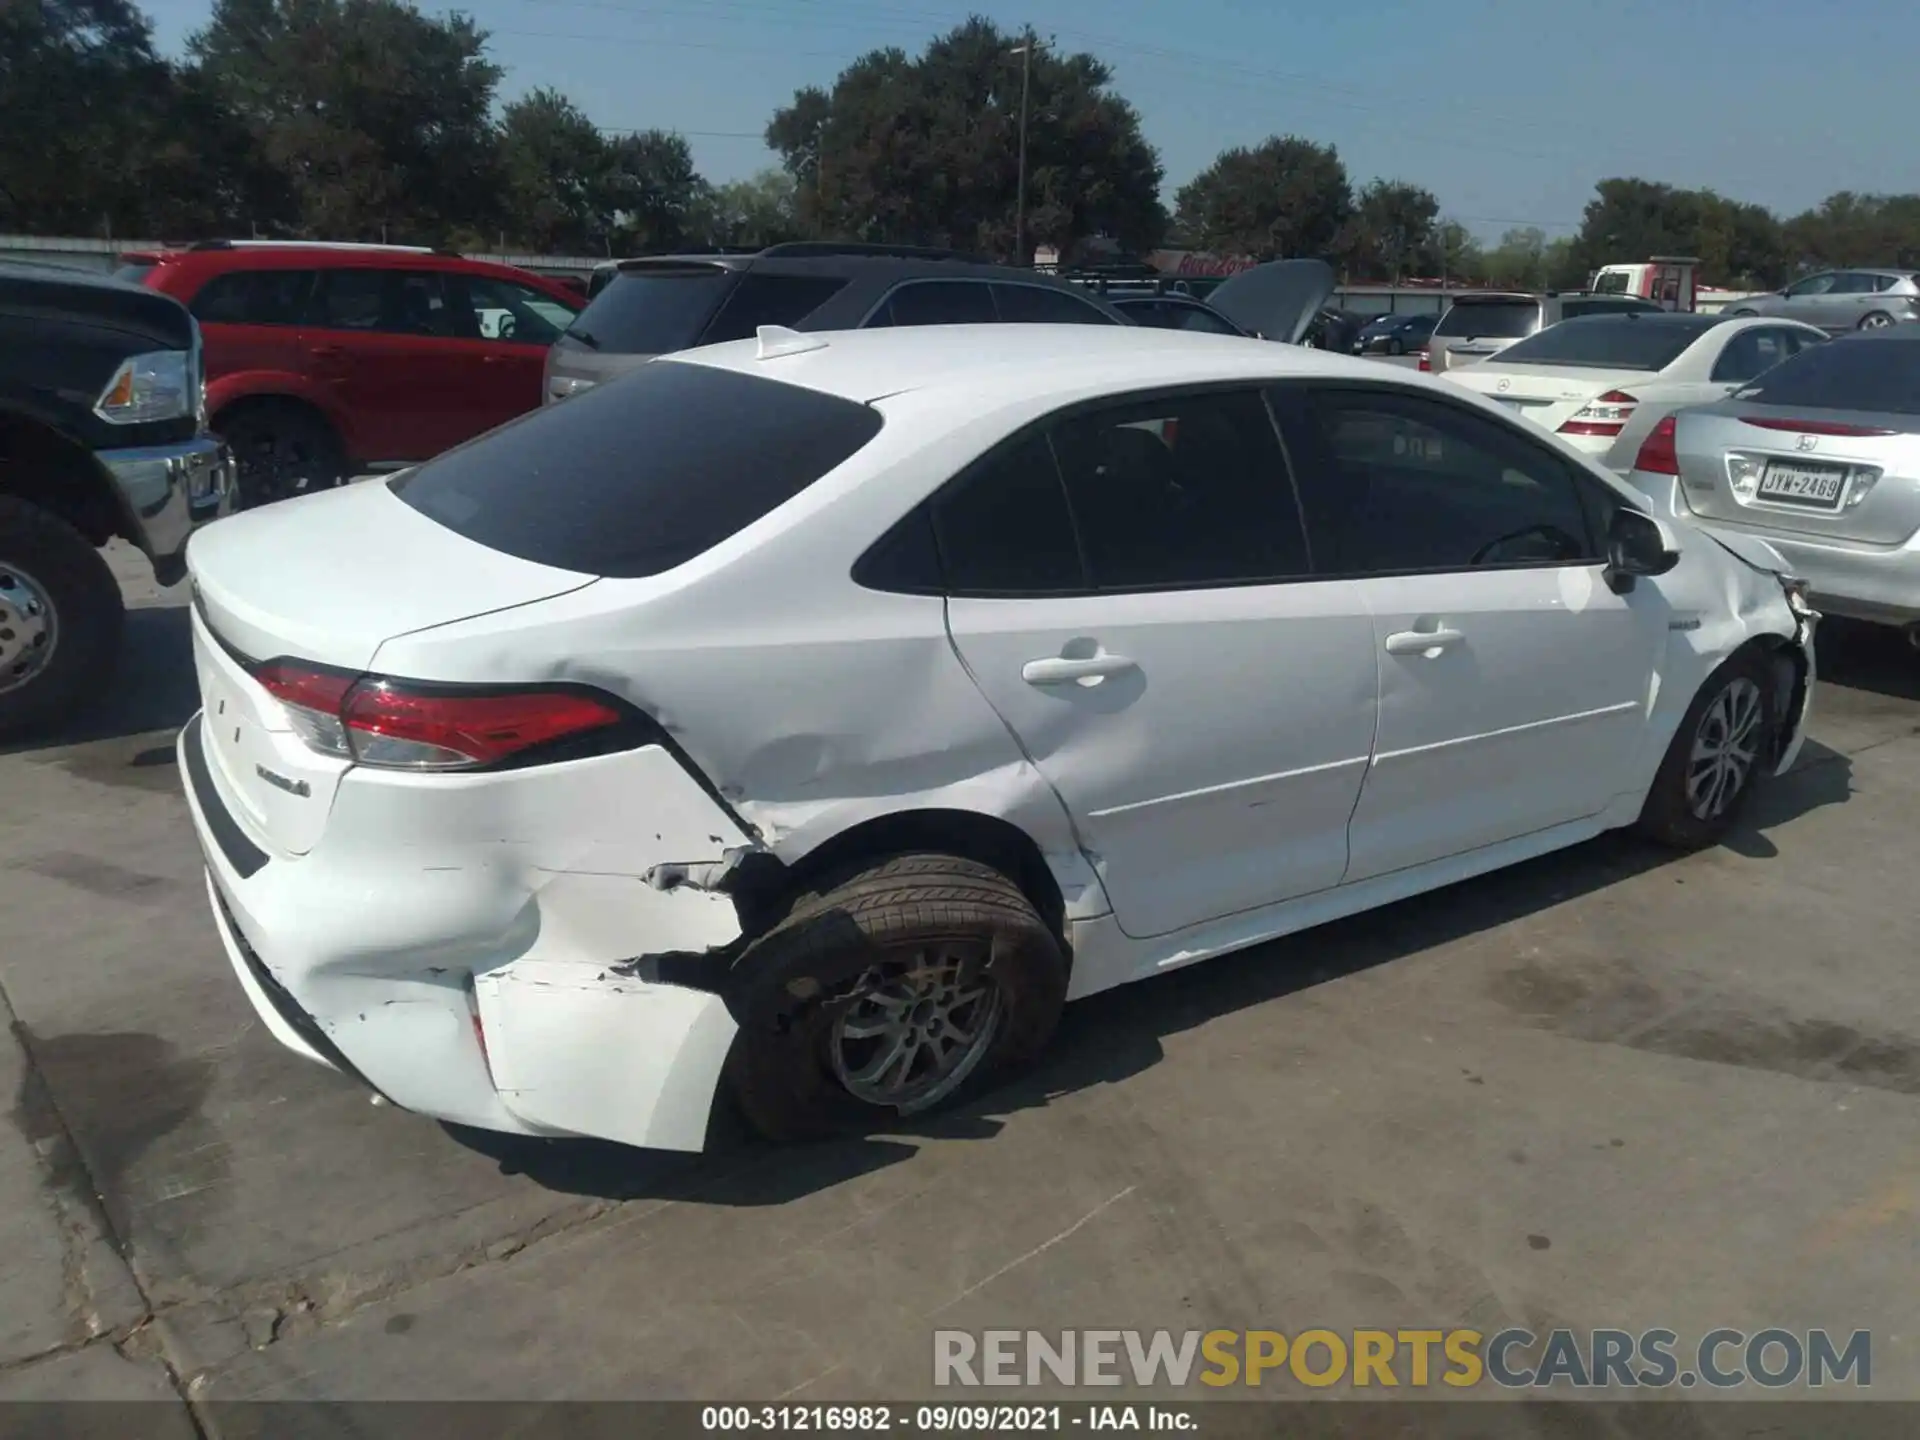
1278,300
1548,395
327,580
1478,326
1802,471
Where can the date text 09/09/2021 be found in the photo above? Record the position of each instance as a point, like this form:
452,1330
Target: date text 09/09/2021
946,1419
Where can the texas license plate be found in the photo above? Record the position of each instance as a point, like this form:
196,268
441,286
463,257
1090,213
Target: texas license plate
1818,487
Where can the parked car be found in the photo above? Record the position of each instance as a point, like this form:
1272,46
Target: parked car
1842,300
1482,324
1819,457
1334,329
1175,312
658,306
102,436
1604,381
1395,334
324,361
983,668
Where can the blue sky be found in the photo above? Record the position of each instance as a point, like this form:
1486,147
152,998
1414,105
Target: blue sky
1508,111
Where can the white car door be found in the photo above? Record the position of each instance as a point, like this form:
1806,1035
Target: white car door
1129,587
1513,681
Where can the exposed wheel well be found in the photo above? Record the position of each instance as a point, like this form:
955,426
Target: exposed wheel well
1790,669
968,834
250,404
43,467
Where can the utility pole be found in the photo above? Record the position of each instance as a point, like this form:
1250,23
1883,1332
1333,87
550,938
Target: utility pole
1025,52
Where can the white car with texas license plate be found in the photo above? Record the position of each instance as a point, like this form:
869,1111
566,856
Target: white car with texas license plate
810,718
1820,458
1603,382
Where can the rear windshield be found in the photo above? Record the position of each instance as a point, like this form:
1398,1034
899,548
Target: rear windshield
635,477
1609,342
1882,376
652,312
1490,319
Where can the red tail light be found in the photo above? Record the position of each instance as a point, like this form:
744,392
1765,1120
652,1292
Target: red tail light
1657,453
373,720
1607,415
1813,427
1426,362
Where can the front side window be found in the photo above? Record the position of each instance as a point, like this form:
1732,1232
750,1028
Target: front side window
507,310
1812,285
1183,491
1396,482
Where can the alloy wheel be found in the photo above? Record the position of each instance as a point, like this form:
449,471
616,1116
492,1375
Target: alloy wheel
29,628
1725,746
274,466
915,1028
1876,321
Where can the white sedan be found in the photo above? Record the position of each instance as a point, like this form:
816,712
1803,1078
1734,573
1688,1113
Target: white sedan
809,718
1604,382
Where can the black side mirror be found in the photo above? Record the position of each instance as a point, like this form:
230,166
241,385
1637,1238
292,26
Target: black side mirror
1635,547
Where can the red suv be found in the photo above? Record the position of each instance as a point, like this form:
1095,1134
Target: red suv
323,361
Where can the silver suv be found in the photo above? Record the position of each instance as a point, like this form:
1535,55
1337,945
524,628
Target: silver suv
1482,324
1841,300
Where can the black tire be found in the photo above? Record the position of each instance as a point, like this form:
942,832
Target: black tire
280,450
798,984
1396,346
1671,816
56,587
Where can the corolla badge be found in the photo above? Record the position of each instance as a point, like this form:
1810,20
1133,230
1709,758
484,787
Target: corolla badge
1807,442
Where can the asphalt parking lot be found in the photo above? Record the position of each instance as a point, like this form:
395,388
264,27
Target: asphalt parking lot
1609,1088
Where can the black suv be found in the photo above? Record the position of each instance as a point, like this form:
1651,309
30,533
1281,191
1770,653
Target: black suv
675,302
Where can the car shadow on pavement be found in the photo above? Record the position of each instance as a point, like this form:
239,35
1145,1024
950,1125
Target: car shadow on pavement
1876,658
1112,1036
153,689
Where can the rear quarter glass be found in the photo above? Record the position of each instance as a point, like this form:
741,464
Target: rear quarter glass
633,478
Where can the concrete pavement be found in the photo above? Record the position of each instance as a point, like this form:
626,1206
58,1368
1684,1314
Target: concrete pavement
1609,1088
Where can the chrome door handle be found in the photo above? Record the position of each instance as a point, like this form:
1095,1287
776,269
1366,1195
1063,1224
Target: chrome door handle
1059,670
1422,642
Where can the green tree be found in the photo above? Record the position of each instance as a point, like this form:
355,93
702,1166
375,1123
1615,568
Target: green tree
1520,260
1284,198
1853,229
650,191
926,149
1390,228
756,211
378,115
552,160
1454,254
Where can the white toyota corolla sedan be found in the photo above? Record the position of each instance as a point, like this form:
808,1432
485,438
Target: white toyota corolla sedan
808,718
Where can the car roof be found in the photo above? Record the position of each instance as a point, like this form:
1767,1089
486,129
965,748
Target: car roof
1053,362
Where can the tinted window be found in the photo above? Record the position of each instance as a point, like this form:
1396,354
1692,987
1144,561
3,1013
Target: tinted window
1610,341
1172,315
1752,351
1006,529
637,477
1397,482
652,312
769,300
418,303
507,310
253,297
1813,285
1620,305
1852,283
1039,305
1190,490
1490,319
938,302
1850,374
352,299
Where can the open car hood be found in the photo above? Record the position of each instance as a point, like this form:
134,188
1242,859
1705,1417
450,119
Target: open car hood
1278,300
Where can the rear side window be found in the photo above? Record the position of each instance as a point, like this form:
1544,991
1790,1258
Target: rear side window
1039,305
254,297
769,300
653,312
1006,529
1489,319
634,478
1611,342
1849,374
937,302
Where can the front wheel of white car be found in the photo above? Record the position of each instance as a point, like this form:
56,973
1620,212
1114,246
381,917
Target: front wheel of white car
1724,746
907,986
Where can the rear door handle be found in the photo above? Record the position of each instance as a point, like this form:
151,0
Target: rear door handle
1059,670
1422,642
